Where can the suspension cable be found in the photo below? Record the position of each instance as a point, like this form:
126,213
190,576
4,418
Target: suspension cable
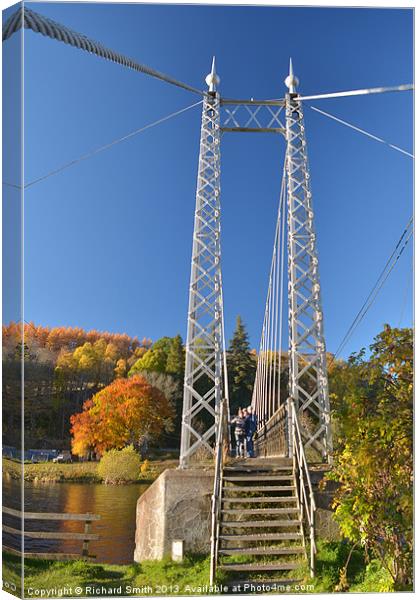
102,148
383,276
359,130
29,19
378,90
266,396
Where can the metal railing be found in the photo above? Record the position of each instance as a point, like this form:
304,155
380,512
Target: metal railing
304,489
221,449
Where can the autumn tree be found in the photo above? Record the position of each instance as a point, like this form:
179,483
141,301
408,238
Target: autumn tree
163,365
372,399
165,356
120,415
152,360
241,366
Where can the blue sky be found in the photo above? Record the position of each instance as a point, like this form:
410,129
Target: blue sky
108,242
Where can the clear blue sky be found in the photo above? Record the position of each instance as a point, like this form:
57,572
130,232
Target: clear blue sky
108,242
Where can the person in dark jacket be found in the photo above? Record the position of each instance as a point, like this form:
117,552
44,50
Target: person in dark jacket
239,431
250,430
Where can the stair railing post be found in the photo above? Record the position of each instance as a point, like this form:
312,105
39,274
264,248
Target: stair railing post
217,491
312,538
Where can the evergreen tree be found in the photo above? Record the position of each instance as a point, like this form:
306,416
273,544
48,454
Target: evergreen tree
241,368
175,363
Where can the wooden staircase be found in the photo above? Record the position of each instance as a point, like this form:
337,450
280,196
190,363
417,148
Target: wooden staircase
261,537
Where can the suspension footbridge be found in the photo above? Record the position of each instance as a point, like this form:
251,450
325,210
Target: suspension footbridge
262,509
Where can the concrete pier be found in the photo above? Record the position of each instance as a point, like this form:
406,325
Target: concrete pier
177,506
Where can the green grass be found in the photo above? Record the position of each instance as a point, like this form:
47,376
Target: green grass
164,577
191,577
361,576
78,472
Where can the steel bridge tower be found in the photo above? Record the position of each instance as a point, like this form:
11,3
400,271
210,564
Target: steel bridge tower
308,381
204,351
205,383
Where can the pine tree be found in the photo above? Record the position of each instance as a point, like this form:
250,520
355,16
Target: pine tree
241,368
175,363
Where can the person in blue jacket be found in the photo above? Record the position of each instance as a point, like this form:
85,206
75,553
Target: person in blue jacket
250,429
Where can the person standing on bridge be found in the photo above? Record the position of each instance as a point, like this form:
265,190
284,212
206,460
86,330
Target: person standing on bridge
239,431
250,430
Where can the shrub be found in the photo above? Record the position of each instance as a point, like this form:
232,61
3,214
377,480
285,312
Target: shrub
144,467
120,466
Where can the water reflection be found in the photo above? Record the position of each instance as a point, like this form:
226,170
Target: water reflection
115,504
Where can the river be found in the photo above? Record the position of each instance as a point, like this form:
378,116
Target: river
116,504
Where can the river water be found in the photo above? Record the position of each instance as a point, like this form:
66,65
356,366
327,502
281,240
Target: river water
116,504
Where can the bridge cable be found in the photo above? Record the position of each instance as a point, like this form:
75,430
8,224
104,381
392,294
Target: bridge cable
266,394
383,276
405,87
359,130
102,148
29,19
362,92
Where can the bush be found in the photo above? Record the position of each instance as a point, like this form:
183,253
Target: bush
144,467
120,466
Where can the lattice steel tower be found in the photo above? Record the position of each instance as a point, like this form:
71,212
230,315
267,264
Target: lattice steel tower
204,352
308,382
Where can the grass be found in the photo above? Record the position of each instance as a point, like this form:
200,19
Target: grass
78,472
191,577
361,576
52,578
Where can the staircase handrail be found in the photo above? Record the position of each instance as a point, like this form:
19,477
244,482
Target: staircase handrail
221,430
307,505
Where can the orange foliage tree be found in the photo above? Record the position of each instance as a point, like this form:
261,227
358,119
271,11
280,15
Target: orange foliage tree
119,415
56,339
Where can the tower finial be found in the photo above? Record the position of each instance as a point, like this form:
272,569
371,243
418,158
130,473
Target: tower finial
291,80
212,78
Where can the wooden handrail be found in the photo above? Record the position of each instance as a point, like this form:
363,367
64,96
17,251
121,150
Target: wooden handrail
50,516
85,536
52,535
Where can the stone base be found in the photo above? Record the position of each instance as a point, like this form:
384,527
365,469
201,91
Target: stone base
177,506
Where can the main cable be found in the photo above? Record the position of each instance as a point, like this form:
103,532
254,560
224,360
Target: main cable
29,19
102,148
378,90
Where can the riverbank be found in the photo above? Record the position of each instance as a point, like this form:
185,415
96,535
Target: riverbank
159,578
78,472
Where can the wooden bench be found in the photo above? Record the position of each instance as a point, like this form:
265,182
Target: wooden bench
85,536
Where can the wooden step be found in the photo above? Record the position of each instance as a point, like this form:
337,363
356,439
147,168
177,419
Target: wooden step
266,523
259,488
261,499
260,567
262,477
259,537
264,550
258,468
260,511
